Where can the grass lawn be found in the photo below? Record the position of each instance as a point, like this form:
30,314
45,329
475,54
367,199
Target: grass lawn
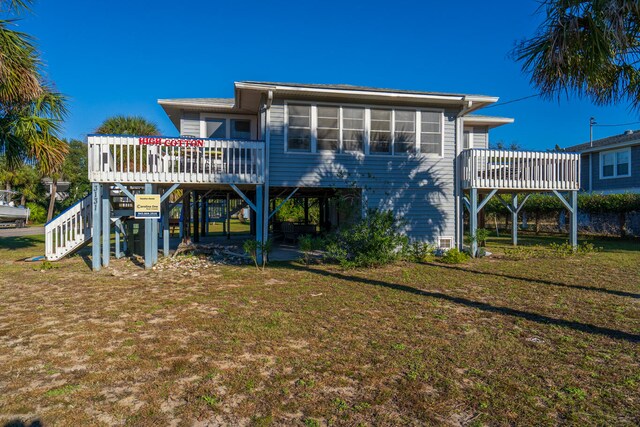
495,341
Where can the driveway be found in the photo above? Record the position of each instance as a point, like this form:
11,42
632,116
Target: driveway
16,232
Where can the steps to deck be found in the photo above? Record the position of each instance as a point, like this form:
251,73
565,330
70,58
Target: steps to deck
68,231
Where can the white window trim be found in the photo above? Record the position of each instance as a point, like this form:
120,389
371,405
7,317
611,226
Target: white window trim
441,238
471,131
367,129
615,164
227,118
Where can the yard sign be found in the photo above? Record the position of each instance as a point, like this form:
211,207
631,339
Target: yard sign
147,206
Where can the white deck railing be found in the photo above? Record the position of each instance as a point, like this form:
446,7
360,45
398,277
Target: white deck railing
174,160
69,230
519,170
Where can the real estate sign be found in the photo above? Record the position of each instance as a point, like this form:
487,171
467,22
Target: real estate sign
147,206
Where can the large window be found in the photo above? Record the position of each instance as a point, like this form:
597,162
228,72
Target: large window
431,132
216,128
299,131
374,130
353,129
228,127
380,140
328,119
615,164
405,132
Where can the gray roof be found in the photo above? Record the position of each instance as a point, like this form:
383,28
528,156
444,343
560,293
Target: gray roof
629,136
354,87
200,101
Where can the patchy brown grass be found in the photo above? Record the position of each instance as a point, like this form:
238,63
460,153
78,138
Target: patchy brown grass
541,341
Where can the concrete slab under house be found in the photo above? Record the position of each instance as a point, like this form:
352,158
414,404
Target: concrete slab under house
337,150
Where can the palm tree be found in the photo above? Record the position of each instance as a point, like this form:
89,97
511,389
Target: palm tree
589,48
128,125
30,110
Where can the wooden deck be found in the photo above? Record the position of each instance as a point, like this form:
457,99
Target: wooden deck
161,160
519,170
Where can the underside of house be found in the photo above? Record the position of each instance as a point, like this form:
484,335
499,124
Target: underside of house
335,150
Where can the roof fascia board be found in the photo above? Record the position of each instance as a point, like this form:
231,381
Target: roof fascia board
398,95
609,147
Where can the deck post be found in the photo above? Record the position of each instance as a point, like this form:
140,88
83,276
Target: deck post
165,228
106,225
156,232
473,220
259,222
204,216
96,211
228,216
196,219
148,234
117,227
514,220
574,220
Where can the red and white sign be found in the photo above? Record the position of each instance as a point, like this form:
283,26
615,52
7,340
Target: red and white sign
172,142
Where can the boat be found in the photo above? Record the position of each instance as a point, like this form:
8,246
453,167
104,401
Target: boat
10,213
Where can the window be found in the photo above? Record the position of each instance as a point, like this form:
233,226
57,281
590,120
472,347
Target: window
380,140
353,129
227,127
240,129
216,128
299,130
328,118
467,141
431,132
445,242
615,164
405,132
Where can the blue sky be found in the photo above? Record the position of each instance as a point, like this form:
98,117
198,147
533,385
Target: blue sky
119,57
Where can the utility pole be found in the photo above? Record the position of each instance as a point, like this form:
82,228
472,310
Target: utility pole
592,122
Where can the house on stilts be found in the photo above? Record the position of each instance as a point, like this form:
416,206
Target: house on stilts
423,155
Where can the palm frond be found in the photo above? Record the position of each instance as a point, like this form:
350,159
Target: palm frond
19,66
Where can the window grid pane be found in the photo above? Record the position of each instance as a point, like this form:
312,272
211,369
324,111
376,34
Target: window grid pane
328,129
431,133
299,132
352,129
405,132
380,132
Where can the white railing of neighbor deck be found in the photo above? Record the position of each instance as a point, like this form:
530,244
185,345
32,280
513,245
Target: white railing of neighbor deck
519,170
128,159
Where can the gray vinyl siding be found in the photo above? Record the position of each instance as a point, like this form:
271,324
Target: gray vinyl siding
617,185
420,189
190,124
584,172
480,137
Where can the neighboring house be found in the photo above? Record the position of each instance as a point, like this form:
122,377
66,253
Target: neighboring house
422,155
610,165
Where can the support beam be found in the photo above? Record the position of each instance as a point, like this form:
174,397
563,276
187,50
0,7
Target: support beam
96,212
473,221
168,192
118,226
106,225
228,216
196,217
573,234
259,221
564,201
514,220
306,211
165,228
148,234
125,190
486,199
204,216
275,211
467,204
244,197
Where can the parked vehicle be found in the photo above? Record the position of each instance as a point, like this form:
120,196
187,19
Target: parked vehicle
10,214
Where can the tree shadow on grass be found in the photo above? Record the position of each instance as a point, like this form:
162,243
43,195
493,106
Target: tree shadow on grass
544,282
21,423
482,306
19,242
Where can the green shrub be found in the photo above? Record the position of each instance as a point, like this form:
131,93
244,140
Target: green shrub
481,236
308,244
252,247
373,241
417,251
38,214
454,256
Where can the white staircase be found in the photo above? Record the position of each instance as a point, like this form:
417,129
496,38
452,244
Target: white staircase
68,231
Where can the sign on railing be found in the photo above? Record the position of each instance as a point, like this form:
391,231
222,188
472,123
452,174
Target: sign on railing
520,170
174,160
